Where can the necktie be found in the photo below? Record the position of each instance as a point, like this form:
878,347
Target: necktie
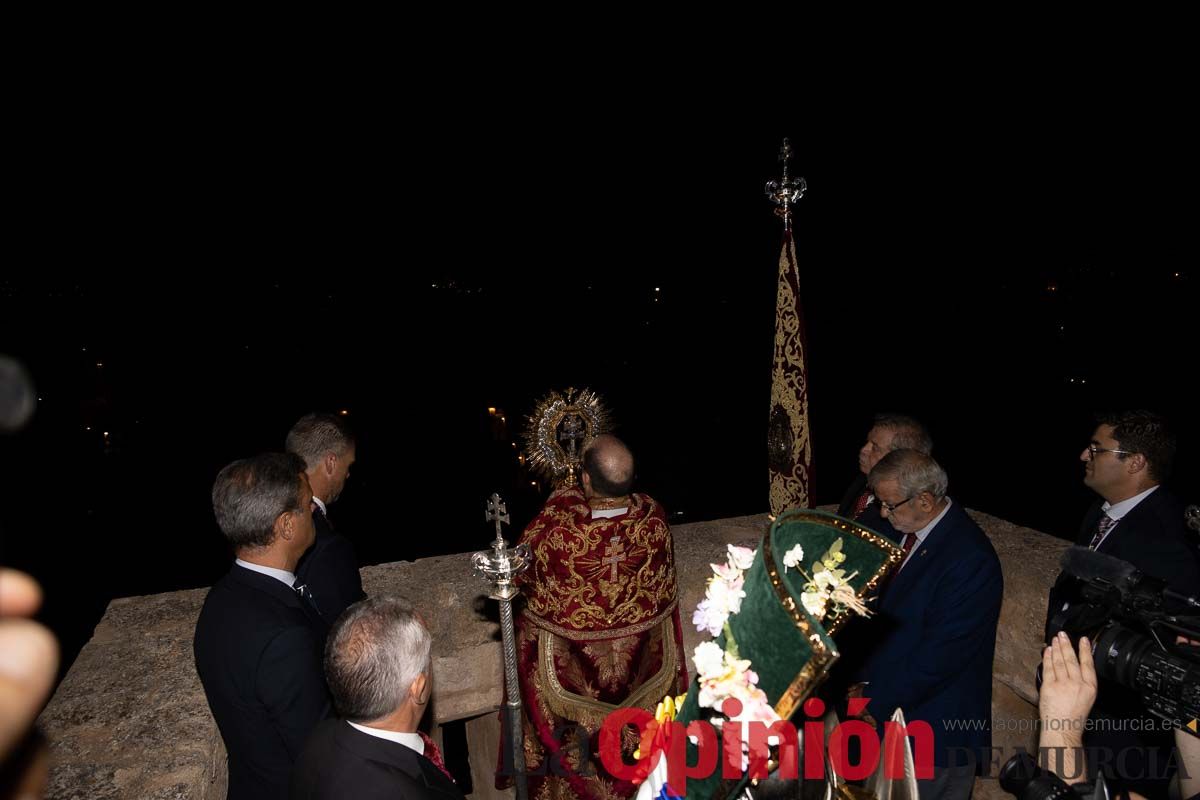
307,595
435,755
860,505
1102,527
317,512
906,546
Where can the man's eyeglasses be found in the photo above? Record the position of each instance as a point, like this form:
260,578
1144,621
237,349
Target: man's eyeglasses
1095,451
890,508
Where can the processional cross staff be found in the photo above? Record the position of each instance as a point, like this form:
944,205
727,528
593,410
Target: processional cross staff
499,566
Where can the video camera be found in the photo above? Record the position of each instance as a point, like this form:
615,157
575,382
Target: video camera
1133,623
1024,779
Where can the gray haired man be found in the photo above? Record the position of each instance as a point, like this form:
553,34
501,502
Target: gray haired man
329,569
258,641
378,664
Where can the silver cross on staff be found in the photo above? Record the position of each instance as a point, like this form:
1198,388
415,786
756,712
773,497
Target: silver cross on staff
784,193
497,512
499,567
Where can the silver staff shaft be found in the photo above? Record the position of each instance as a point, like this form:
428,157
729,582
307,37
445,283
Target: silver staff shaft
499,566
512,710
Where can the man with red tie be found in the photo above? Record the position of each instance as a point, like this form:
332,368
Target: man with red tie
379,667
1138,520
934,632
889,432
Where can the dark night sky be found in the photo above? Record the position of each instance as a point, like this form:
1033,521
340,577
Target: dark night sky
970,264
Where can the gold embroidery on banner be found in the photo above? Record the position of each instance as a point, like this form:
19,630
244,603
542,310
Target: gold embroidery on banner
789,392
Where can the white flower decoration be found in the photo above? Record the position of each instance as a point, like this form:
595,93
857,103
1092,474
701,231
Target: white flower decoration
793,557
741,557
709,658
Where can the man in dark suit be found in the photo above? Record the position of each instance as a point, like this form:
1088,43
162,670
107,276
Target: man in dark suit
330,568
889,432
935,627
258,640
378,663
1140,521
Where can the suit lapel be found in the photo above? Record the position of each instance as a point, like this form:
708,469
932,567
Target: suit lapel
267,584
918,564
396,756
1114,543
277,589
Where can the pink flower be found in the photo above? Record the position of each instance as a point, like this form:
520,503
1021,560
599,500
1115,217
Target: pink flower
710,617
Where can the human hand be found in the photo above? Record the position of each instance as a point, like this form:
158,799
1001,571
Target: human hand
1068,684
28,665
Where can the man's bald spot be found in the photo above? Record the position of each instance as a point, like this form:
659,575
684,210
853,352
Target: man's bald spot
612,458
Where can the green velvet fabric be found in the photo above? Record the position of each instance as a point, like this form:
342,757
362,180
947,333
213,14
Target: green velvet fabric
767,632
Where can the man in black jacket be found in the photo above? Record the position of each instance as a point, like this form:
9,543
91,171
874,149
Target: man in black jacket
378,663
1137,520
258,640
330,568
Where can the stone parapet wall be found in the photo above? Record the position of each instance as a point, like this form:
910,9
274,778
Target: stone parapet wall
130,719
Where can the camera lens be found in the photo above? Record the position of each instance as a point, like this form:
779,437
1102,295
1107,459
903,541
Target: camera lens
1023,778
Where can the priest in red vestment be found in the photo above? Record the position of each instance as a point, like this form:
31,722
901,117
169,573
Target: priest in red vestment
601,627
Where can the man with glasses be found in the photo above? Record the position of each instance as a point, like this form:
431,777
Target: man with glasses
1138,520
934,632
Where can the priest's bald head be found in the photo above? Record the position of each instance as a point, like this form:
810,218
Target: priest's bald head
607,467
